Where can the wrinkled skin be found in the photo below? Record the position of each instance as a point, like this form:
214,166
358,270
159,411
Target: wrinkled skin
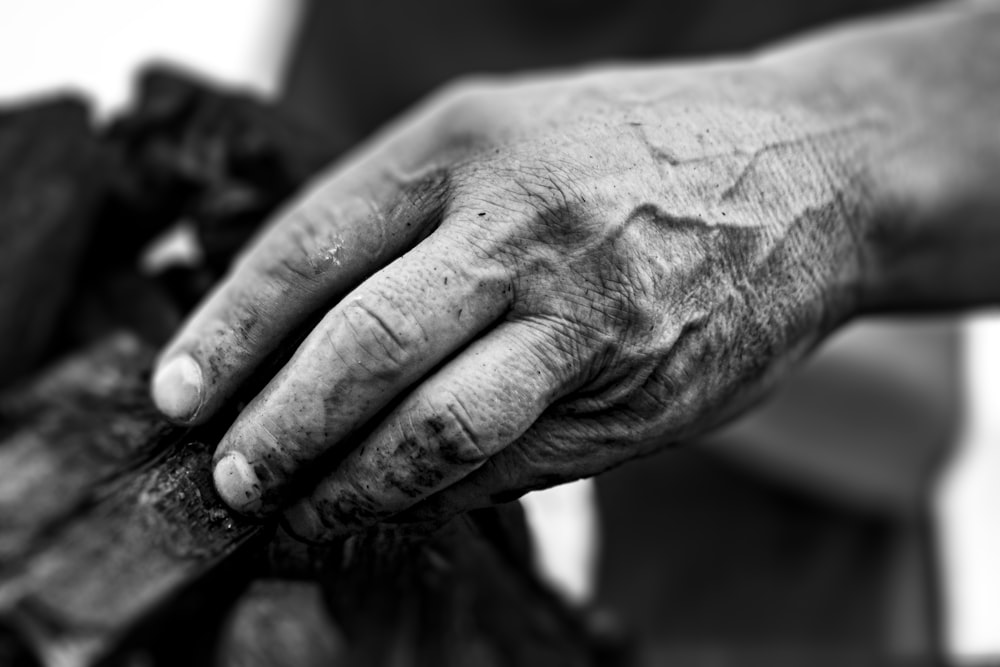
530,281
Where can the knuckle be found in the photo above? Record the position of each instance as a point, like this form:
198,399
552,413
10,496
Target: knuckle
389,338
547,179
464,96
305,251
464,109
426,191
549,183
553,345
481,247
451,434
298,269
272,447
351,506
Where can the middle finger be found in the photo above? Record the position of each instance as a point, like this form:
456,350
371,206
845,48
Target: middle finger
379,340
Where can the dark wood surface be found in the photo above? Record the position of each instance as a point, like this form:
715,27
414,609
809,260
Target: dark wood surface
105,510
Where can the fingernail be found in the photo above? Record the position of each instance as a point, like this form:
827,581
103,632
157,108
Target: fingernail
177,388
237,483
301,522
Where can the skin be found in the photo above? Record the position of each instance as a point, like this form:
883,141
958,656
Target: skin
530,280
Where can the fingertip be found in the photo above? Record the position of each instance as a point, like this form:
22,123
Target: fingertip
237,483
302,522
178,388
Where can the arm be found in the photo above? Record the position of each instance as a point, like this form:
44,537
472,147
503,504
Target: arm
532,280
931,78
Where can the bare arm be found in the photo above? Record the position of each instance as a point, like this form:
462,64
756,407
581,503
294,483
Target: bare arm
932,81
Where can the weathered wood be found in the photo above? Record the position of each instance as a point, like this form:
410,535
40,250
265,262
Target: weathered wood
105,510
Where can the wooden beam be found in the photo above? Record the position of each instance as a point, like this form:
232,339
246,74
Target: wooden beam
105,509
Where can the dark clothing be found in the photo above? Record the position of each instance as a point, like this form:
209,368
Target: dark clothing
361,62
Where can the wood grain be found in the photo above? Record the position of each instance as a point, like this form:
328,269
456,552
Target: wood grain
105,510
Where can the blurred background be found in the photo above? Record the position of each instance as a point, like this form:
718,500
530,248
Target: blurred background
851,512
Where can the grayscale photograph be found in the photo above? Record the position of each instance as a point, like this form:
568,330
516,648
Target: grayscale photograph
499,333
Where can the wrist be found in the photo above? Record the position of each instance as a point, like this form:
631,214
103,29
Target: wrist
931,234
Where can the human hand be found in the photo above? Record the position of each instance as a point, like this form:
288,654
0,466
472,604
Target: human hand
529,282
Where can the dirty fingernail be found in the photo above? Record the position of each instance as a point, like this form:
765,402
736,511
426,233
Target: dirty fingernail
237,483
177,388
301,522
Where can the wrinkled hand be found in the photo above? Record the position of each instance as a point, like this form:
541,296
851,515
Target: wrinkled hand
526,283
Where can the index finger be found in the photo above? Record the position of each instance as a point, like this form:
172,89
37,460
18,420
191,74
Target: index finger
317,251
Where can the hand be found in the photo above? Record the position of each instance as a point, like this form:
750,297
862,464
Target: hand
529,282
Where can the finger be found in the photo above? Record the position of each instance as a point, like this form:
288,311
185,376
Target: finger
311,255
379,340
446,428
556,450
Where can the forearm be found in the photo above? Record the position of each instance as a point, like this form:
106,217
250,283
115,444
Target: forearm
930,82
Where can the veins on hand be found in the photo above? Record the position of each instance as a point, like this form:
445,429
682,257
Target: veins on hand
663,156
758,171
